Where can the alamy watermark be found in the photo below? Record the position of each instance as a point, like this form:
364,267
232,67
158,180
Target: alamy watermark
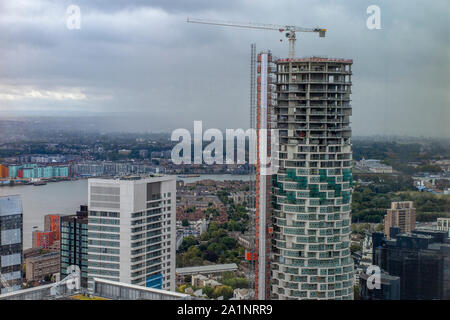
73,17
213,153
72,281
374,20
374,279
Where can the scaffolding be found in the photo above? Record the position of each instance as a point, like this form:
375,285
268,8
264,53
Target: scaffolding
252,203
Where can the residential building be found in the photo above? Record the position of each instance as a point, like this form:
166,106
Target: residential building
102,168
194,228
11,240
211,271
131,235
42,267
56,246
242,294
52,223
4,171
35,171
143,153
239,197
74,244
303,206
403,215
43,239
374,166
200,280
31,252
50,237
443,224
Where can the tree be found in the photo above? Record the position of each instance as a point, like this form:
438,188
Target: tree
211,256
223,291
228,242
235,282
185,223
192,257
354,247
204,236
208,291
182,288
188,242
356,295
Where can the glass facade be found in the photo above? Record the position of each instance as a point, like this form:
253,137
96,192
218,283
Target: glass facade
11,241
74,244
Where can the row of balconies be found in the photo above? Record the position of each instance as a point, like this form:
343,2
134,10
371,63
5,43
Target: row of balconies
292,96
308,81
302,107
319,117
312,90
314,113
318,135
307,70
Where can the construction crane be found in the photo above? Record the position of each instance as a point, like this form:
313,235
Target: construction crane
290,30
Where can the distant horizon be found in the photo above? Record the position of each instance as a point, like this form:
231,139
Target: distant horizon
164,80
119,115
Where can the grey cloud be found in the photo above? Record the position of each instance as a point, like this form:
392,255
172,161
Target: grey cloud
151,62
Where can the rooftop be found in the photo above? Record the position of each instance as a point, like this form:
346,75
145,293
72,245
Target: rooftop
44,256
132,179
113,290
316,59
104,290
206,269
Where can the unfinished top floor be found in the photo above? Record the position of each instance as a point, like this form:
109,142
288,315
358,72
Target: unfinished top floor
314,65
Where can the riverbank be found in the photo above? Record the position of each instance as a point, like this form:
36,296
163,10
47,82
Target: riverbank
65,198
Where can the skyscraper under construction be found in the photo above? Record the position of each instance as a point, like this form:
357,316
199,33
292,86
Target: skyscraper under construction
303,209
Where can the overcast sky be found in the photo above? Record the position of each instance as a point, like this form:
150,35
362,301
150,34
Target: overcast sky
142,60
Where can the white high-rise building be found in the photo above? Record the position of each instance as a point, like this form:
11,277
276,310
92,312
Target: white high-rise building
132,231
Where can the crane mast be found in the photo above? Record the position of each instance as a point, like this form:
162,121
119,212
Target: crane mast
290,29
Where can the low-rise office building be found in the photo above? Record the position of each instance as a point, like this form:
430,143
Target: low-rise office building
42,267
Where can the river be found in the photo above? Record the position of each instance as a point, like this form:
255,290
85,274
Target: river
65,198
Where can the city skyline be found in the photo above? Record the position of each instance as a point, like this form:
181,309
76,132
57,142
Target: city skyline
178,161
111,66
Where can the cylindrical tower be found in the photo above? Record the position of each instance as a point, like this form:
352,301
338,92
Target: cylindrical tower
312,190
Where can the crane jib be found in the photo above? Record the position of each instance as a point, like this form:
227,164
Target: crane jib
290,34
